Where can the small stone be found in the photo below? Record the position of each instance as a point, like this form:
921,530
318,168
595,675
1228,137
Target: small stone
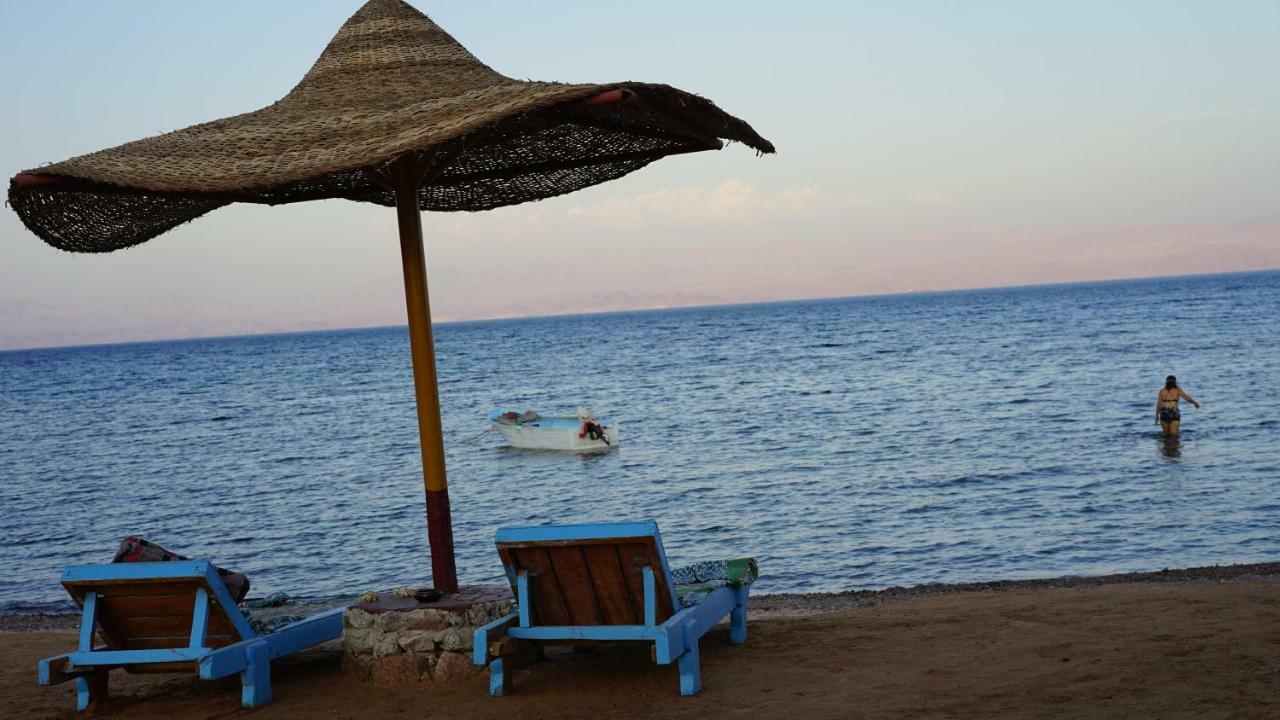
456,618
391,621
386,645
457,639
417,641
357,642
357,619
452,667
424,661
395,670
425,620
478,615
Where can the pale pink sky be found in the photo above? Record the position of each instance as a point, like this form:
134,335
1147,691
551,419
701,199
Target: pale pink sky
918,150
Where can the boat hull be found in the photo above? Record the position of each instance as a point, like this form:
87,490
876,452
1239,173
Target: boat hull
534,436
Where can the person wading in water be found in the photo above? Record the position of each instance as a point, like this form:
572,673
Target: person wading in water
1167,406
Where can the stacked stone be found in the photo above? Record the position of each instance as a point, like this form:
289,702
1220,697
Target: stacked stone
398,647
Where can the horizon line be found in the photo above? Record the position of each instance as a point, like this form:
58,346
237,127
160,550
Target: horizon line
513,318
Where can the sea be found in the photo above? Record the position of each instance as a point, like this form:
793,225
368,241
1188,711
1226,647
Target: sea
854,443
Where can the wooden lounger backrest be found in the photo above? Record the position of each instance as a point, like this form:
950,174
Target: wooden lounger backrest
590,581
140,614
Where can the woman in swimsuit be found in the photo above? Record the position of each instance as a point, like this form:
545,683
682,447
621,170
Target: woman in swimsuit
1167,406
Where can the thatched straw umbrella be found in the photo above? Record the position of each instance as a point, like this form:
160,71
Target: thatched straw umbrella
395,112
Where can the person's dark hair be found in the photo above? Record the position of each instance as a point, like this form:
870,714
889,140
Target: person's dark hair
1170,382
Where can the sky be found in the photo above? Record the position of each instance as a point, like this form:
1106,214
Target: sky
921,146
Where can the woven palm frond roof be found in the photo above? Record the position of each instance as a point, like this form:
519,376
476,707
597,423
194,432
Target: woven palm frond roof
390,82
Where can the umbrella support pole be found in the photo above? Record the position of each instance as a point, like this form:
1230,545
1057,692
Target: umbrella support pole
405,176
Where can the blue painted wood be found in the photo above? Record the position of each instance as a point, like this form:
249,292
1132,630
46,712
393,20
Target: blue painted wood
691,669
566,534
251,657
738,616
88,619
84,694
218,590
691,623
487,634
650,597
497,677
319,628
50,670
200,618
183,569
97,658
522,598
675,640
90,688
586,531
255,680
196,571
289,639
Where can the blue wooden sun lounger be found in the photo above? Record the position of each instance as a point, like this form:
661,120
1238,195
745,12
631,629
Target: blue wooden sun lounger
172,617
600,582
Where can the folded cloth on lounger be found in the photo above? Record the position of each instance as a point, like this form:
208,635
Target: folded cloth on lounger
695,582
135,549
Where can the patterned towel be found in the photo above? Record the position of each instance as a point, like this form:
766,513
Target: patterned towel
695,582
135,549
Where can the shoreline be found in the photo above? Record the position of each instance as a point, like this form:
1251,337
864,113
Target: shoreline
1192,643
806,604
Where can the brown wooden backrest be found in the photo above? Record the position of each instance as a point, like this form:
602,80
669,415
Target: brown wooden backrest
595,581
135,615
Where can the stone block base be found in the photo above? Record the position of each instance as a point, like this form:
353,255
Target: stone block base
400,641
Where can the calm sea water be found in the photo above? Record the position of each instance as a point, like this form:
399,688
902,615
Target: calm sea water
854,443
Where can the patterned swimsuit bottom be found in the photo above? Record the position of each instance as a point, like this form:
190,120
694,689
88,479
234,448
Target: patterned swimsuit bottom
1169,413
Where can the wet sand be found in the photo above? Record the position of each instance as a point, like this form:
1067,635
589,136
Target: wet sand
1201,643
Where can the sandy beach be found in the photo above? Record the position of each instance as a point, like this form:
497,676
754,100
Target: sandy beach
1202,643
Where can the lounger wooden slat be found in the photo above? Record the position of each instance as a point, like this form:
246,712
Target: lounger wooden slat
148,605
575,586
636,556
549,604
172,617
600,583
610,586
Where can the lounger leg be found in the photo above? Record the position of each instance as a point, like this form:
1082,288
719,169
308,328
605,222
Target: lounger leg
255,680
738,618
91,688
499,678
691,671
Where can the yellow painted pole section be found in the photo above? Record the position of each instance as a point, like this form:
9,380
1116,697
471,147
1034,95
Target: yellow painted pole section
430,432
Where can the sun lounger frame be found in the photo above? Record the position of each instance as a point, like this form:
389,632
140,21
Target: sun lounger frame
674,632
236,648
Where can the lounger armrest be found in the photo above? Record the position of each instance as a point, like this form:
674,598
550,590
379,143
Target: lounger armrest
54,670
287,640
681,632
490,633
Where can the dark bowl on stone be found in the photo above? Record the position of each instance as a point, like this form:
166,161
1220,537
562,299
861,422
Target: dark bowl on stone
427,595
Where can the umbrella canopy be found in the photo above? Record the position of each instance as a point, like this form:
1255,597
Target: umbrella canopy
389,83
395,112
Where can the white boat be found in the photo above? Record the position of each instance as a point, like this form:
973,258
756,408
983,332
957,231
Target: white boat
578,433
